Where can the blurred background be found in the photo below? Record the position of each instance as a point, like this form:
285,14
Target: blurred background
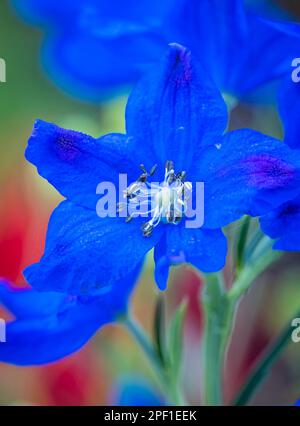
100,372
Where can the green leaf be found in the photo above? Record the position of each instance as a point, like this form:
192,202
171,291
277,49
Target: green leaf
241,242
175,334
160,329
264,365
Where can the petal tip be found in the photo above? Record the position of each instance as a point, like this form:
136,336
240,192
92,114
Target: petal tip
179,58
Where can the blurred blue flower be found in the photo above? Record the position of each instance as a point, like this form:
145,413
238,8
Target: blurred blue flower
48,326
283,224
134,391
175,119
93,47
242,50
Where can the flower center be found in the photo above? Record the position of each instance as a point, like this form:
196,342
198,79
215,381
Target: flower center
164,202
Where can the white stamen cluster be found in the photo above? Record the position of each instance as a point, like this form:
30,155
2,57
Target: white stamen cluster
167,200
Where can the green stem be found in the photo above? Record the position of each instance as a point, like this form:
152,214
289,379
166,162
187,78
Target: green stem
164,377
144,343
219,313
241,243
159,330
263,367
219,310
261,261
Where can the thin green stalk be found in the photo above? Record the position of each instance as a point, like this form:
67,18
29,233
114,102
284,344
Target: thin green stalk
241,243
164,377
261,370
159,330
144,343
219,310
262,260
219,313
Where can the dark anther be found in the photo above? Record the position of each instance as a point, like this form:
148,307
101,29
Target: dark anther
143,177
172,177
169,165
181,175
171,214
129,218
177,219
143,168
147,229
131,196
153,170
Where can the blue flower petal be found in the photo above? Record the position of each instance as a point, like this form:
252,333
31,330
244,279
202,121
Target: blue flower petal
75,163
289,106
20,301
86,254
92,46
98,16
246,173
46,12
175,109
41,334
205,249
215,30
93,68
283,225
276,43
229,39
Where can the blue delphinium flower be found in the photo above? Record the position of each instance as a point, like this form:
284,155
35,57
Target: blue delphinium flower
94,46
242,50
91,46
48,325
175,119
283,224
